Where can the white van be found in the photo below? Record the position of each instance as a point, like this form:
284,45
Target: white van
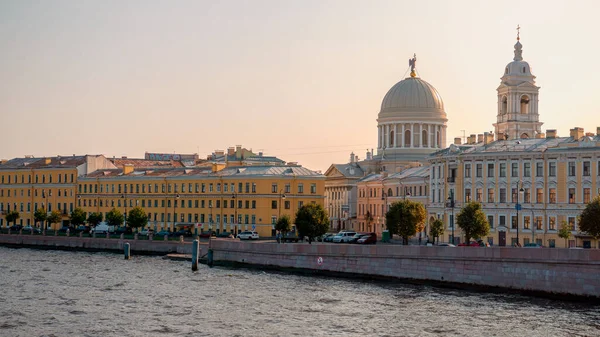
101,228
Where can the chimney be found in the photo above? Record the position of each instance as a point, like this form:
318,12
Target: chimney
589,134
485,138
576,132
480,138
551,133
490,137
238,148
500,136
47,161
472,139
351,157
231,151
127,168
457,140
540,135
260,154
598,130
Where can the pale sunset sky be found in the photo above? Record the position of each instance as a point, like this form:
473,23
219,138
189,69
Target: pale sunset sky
301,80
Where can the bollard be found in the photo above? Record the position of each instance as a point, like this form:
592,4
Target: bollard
195,247
209,258
135,236
181,238
122,236
127,251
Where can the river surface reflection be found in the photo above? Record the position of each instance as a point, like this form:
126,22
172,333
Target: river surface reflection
55,293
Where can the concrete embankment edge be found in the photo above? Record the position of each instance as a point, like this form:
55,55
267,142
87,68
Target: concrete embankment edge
563,273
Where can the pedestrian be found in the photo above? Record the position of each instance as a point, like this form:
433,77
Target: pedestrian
278,235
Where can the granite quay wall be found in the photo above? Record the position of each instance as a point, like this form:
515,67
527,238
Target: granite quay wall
545,270
140,247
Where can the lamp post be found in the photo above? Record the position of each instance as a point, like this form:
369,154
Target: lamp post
384,197
281,197
125,215
210,218
518,207
175,209
331,215
451,203
234,197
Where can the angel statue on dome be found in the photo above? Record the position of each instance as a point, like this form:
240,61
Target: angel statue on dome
413,63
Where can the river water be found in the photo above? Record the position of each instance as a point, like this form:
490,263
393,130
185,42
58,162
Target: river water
55,293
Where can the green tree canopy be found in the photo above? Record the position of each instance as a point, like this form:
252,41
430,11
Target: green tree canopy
54,217
40,215
589,220
95,218
284,224
137,218
405,219
311,221
12,216
473,222
564,231
114,217
77,217
436,229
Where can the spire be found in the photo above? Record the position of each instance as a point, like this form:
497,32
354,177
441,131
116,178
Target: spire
518,46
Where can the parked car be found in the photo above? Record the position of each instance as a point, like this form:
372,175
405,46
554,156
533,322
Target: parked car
327,237
163,233
225,235
367,239
145,232
183,232
123,230
28,229
343,236
470,244
15,228
100,229
81,229
206,234
355,238
291,236
64,229
533,245
248,235
446,245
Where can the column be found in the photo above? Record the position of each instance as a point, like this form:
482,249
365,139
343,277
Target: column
402,138
420,134
395,135
412,134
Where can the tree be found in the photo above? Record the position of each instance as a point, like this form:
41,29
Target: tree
564,232
114,217
12,216
40,215
137,218
589,220
95,218
54,217
311,221
473,222
436,229
405,219
284,224
77,217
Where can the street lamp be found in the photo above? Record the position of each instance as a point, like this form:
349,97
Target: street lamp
518,207
281,197
451,204
384,197
175,209
331,215
210,219
234,197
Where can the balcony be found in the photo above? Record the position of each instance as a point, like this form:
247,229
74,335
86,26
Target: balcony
450,179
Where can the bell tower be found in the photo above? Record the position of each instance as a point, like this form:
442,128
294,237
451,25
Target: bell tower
518,115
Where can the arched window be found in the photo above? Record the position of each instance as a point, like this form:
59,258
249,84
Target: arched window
524,70
407,138
391,138
424,138
504,105
416,140
524,104
438,140
506,70
389,192
524,136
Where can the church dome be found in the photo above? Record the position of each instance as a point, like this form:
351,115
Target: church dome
412,95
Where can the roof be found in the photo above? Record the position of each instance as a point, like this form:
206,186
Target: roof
120,162
413,172
40,163
412,94
242,171
351,170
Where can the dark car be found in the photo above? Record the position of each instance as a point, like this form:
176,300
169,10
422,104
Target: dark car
64,229
123,230
205,234
82,229
225,235
367,239
355,238
183,232
163,233
15,228
328,237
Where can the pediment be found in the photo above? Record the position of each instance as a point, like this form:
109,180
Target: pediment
333,172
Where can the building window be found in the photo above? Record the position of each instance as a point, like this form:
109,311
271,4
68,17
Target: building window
552,169
571,195
218,187
273,188
491,220
490,170
210,187
287,204
479,170
300,188
203,188
526,195
552,195
513,222
538,223
273,204
490,195
552,223
479,195
526,221
253,204
502,170
514,170
273,220
313,188
502,220
467,171
571,222
247,187
503,195
467,194
253,187
539,196
586,195
539,169
527,169
288,188
571,169
300,204
586,168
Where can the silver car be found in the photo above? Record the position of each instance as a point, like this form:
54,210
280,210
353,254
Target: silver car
343,236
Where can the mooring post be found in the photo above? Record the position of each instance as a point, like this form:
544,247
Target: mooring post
127,250
195,248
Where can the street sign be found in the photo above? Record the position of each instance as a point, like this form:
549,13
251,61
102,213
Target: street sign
253,227
320,261
518,207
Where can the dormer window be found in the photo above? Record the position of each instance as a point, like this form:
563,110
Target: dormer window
506,71
524,70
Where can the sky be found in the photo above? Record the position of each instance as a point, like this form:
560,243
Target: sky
301,80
